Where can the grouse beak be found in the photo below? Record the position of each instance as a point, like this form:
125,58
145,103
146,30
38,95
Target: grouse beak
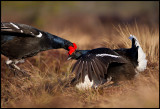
69,58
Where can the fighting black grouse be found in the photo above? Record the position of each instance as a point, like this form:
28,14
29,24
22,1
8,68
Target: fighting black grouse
98,66
19,41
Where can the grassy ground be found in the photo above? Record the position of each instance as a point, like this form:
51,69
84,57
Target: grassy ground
50,70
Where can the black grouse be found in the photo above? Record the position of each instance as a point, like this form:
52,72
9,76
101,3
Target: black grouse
19,41
98,66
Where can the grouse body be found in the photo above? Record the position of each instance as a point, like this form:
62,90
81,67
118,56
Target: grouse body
97,66
19,41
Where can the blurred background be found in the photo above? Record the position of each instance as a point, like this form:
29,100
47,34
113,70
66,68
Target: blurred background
46,13
89,24
94,18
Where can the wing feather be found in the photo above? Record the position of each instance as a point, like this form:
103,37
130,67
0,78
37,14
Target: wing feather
10,28
96,65
94,70
100,67
90,73
104,65
97,69
76,65
83,71
78,72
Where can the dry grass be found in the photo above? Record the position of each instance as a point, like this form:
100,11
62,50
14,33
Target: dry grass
50,70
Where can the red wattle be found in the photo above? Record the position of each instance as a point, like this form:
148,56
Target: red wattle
72,49
74,46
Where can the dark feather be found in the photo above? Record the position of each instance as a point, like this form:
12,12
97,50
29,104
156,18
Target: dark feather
96,69
75,66
26,30
90,73
97,66
100,67
83,72
78,73
93,68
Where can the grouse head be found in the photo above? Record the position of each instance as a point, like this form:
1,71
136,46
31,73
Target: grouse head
77,54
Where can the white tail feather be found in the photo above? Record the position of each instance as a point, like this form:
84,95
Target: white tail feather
142,62
87,84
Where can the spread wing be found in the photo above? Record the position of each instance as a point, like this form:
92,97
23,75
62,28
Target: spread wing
95,64
9,28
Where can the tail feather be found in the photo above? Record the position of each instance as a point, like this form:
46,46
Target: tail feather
142,62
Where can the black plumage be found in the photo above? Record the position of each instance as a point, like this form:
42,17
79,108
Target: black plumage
19,41
104,64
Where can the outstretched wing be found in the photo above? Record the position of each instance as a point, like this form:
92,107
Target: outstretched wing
9,28
95,63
